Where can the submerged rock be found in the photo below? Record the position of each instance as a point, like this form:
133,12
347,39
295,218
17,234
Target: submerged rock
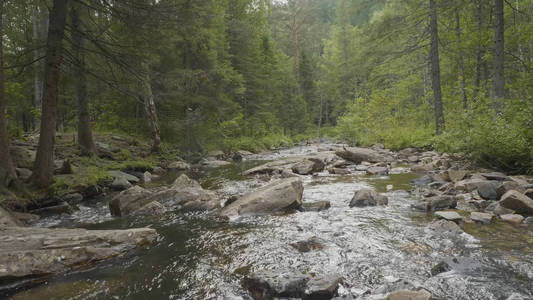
31,253
315,206
308,167
269,285
308,245
368,197
281,195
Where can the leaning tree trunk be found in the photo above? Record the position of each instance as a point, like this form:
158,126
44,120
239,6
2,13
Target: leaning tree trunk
499,74
435,70
460,60
85,135
7,170
43,170
149,106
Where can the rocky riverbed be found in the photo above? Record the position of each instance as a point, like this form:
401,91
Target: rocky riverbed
311,222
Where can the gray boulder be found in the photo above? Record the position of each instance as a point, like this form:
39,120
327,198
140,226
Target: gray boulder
123,176
267,285
308,167
483,218
449,215
153,208
278,196
509,186
178,166
129,201
30,253
186,194
120,184
518,202
338,171
368,197
358,155
379,171
436,203
512,218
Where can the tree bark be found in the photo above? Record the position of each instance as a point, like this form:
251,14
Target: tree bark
479,52
499,74
44,162
151,111
37,83
85,135
460,60
435,70
7,170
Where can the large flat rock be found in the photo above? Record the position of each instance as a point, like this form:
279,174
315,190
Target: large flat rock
31,253
359,155
277,196
518,202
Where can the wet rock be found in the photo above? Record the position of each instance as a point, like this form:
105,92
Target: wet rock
368,197
470,185
8,220
518,202
488,190
215,163
129,201
309,245
120,184
528,220
278,196
512,218
240,155
186,194
437,203
409,295
361,168
269,285
529,193
483,218
413,159
496,176
29,253
509,186
444,227
500,210
441,267
341,163
218,154
359,155
456,175
308,167
122,175
72,198
436,184
449,215
315,206
338,171
153,208
61,208
424,180
159,171
399,284
379,171
92,191
178,166
147,177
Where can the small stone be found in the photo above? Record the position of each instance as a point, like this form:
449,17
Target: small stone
483,218
512,218
449,215
315,206
441,267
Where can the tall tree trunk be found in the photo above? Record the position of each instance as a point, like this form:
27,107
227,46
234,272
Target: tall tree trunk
479,54
499,74
460,60
7,170
37,83
43,170
149,106
435,69
85,135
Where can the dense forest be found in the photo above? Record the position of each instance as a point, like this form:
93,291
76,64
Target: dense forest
255,74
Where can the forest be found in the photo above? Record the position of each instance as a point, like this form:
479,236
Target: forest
266,149
255,74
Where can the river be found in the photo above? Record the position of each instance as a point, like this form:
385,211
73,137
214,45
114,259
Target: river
375,249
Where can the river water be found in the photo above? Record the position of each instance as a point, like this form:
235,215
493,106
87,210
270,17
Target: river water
374,249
